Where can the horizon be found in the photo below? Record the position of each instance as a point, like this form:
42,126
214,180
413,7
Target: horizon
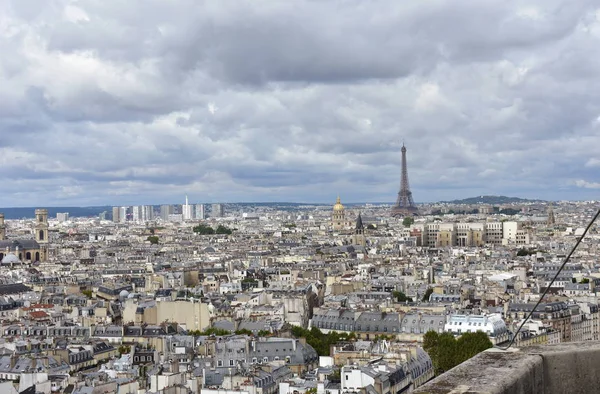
525,200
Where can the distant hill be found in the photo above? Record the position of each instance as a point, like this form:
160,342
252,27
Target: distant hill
492,200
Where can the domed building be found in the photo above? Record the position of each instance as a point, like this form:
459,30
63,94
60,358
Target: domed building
338,217
10,259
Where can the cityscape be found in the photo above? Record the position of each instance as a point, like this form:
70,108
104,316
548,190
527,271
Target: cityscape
299,197
326,299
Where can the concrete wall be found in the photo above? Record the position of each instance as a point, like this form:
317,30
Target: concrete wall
563,368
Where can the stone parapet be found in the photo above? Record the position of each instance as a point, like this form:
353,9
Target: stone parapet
563,368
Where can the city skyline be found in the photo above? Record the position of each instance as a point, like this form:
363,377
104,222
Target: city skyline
297,102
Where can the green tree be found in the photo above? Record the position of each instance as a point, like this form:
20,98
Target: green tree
123,349
401,297
446,352
427,294
585,280
203,229
87,293
223,230
243,331
153,239
408,221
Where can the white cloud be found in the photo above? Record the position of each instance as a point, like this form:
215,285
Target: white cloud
234,101
587,185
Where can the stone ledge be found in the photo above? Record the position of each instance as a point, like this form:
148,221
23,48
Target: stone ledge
562,368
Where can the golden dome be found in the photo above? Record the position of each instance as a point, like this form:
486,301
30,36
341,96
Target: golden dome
338,205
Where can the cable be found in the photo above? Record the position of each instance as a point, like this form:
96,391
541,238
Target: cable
552,281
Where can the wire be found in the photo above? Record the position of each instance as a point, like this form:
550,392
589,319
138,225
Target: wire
552,281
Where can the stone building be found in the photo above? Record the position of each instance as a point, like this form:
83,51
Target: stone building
15,251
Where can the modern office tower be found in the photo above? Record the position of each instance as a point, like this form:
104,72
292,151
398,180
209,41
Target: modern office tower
200,212
102,215
62,216
165,211
116,212
186,210
123,211
217,211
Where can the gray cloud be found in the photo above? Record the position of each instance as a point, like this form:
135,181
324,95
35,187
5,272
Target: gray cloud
144,101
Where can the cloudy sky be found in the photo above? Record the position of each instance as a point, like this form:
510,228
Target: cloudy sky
143,101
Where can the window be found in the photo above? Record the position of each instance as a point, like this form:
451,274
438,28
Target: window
219,363
231,363
266,359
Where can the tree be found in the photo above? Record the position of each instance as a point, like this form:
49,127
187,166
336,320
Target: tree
401,297
223,230
153,239
243,331
408,221
446,351
585,280
87,293
124,349
203,229
427,294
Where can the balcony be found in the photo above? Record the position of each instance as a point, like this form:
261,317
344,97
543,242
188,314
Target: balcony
563,368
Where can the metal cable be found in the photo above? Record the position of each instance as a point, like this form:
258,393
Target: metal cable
552,281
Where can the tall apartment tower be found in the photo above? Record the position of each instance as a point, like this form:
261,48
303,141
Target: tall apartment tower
148,212
200,214
115,214
405,206
62,216
123,214
2,228
217,211
186,210
165,211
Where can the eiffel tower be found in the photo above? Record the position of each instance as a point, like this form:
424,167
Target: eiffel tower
405,206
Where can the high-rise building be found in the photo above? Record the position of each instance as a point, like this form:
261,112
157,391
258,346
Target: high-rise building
62,216
165,211
115,214
200,212
217,211
123,211
148,212
186,210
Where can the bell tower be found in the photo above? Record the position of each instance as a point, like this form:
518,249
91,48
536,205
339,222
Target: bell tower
359,232
2,228
41,226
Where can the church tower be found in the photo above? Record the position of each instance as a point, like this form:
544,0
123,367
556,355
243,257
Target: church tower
338,217
41,232
2,228
359,232
551,219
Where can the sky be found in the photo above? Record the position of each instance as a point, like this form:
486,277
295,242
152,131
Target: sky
106,102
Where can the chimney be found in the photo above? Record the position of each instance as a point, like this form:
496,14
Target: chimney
13,360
